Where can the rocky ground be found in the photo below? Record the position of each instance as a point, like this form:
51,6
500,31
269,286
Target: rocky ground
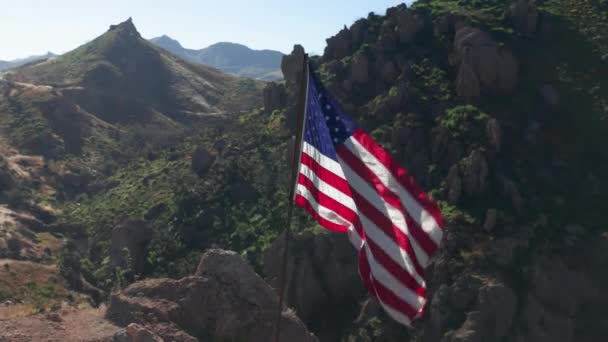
69,324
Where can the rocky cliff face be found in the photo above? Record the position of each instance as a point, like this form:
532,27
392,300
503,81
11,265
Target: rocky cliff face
476,107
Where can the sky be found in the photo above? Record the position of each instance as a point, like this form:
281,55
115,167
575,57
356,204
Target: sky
31,27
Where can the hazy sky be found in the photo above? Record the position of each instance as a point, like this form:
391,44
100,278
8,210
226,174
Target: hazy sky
29,27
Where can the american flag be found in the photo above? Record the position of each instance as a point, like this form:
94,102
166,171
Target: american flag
350,184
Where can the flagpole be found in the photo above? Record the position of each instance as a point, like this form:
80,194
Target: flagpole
294,165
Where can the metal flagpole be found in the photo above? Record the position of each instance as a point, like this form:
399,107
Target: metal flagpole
295,162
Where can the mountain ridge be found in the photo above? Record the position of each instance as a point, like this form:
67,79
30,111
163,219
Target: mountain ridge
15,63
234,58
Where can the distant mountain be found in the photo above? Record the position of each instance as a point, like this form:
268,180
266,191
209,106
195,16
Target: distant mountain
5,65
117,79
232,58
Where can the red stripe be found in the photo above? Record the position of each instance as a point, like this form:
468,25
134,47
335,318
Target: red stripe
365,272
404,277
327,201
381,221
326,175
359,167
400,174
303,202
390,299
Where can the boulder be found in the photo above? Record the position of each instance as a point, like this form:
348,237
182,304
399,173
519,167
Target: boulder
524,16
225,300
492,318
202,159
129,245
483,65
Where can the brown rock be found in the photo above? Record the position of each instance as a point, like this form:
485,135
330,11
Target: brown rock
225,301
483,65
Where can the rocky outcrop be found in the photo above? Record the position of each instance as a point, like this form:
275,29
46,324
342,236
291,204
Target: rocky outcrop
340,45
468,178
483,65
323,284
275,97
129,245
408,26
225,300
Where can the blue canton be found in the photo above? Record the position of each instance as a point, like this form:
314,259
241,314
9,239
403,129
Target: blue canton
326,126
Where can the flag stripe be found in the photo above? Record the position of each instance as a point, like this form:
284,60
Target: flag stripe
381,275
323,180
325,199
417,202
395,269
328,163
381,212
324,216
362,161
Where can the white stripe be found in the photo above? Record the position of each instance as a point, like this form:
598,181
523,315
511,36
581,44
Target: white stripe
323,160
339,197
424,219
324,212
392,248
390,282
327,189
396,315
393,214
355,238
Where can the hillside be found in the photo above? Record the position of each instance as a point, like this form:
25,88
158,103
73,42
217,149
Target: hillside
70,123
232,58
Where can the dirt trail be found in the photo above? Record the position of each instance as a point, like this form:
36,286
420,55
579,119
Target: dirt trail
66,325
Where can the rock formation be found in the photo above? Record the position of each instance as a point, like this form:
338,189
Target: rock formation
225,300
